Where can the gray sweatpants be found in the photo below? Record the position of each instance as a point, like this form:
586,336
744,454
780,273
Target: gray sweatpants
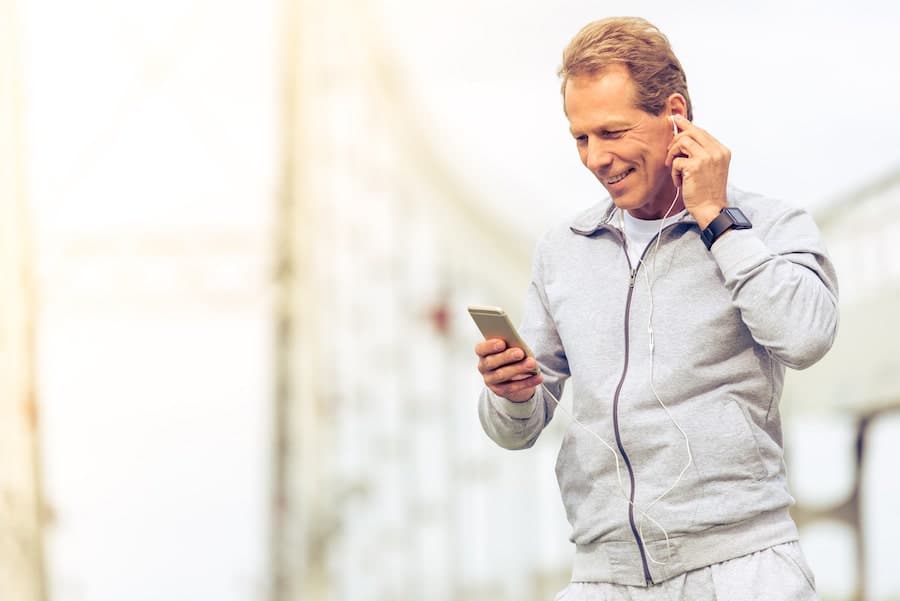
779,573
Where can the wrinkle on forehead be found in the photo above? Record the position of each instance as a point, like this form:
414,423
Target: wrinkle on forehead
613,78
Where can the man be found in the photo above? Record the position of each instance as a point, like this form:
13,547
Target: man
674,306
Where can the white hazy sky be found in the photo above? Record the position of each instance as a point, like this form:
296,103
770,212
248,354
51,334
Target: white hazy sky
804,93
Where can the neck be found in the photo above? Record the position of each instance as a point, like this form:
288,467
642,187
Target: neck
668,202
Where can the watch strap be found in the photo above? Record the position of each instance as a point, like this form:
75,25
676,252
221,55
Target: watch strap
729,218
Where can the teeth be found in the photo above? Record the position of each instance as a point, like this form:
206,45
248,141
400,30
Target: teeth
618,178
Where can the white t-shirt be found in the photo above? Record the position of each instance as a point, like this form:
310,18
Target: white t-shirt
639,233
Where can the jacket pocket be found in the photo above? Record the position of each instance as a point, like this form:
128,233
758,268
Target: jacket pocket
725,448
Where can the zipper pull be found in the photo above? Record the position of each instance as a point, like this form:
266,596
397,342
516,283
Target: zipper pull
632,277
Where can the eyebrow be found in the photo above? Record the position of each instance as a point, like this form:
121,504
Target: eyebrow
608,126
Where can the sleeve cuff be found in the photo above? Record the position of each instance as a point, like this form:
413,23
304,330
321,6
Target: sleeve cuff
738,247
506,407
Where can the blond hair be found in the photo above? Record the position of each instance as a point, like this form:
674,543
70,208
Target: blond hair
638,45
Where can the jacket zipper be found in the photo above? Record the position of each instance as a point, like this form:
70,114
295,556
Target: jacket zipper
634,530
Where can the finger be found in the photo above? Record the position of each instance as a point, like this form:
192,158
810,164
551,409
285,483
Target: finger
509,388
684,125
678,167
489,347
495,361
498,360
508,372
681,166
521,377
531,366
676,150
699,134
674,153
685,146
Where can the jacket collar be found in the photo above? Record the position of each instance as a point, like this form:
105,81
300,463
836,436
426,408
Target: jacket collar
603,215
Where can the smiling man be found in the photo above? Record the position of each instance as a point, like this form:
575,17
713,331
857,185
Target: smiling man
673,307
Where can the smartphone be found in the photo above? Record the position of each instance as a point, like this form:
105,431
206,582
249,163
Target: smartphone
494,323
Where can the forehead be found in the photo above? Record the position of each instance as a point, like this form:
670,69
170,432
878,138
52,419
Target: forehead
607,94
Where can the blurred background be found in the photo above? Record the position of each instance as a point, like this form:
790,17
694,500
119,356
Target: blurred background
237,240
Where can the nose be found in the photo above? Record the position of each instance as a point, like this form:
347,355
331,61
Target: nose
597,157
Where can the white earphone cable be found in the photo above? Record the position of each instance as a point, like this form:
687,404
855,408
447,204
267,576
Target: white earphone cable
650,276
618,469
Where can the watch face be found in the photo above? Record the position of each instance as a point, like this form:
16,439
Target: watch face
736,215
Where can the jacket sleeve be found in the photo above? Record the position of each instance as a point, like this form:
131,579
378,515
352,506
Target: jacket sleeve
783,283
518,425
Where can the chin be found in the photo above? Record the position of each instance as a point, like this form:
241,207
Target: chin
628,202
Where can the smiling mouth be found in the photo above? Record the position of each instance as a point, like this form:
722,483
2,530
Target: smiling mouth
616,179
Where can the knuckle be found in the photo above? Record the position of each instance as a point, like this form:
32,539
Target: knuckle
487,366
499,374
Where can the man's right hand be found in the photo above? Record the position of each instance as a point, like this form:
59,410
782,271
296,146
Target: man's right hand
506,371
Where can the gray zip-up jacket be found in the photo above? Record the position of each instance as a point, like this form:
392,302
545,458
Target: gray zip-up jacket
725,323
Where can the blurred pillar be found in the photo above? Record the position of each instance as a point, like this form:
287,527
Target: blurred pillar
295,558
21,549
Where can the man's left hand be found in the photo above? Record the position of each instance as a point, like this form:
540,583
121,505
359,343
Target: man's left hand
699,166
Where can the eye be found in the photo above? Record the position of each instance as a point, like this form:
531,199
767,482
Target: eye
581,139
612,135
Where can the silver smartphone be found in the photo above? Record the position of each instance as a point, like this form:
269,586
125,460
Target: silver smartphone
494,323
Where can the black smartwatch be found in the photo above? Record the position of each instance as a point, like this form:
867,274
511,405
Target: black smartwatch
729,218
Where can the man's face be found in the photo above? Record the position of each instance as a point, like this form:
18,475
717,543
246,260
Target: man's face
624,147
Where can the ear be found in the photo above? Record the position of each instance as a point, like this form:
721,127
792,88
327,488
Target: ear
676,105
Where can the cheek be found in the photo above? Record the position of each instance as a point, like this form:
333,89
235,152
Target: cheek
658,150
629,150
651,158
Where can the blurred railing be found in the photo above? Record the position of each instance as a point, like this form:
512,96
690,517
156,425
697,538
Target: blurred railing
21,512
858,378
850,510
384,488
